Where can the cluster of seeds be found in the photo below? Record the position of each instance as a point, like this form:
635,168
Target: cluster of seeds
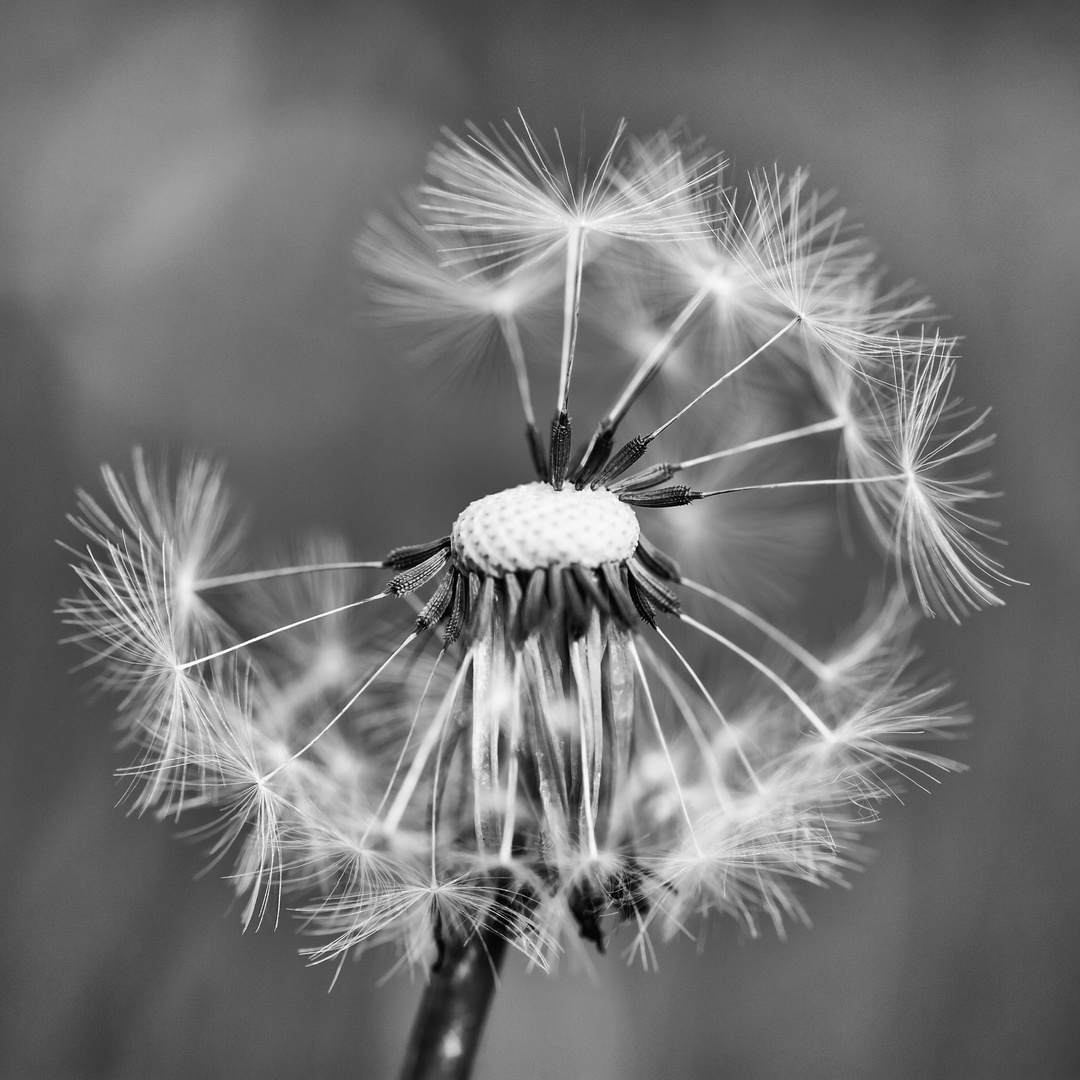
571,731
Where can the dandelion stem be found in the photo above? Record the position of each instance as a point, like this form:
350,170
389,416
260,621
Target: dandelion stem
446,1032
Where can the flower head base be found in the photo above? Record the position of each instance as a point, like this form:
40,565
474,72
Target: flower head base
569,732
535,526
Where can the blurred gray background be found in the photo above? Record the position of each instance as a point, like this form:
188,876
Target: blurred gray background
180,186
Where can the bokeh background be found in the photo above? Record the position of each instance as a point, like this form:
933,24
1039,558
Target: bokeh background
180,187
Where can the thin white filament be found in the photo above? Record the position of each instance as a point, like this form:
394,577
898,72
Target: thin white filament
404,746
282,571
506,847
834,424
823,729
431,737
345,708
835,481
657,355
663,744
806,658
512,337
575,258
727,375
584,733
693,725
281,630
736,742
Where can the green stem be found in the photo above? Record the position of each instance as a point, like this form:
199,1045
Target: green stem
448,1025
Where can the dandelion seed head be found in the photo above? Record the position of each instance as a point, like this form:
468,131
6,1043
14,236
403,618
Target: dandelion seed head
592,701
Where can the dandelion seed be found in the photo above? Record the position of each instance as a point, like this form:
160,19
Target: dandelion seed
547,744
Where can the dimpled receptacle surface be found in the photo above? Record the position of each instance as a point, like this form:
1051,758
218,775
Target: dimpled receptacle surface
534,525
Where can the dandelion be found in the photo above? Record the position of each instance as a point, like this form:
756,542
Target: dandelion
537,727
